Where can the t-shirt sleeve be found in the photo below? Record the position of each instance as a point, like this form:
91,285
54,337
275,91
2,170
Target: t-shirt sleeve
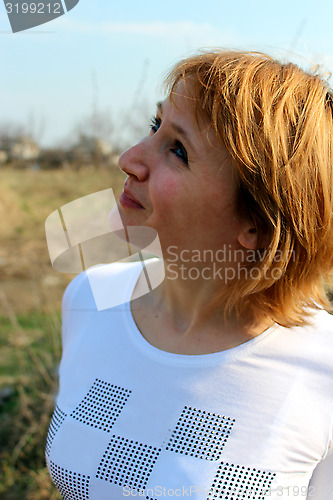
77,302
101,285
321,484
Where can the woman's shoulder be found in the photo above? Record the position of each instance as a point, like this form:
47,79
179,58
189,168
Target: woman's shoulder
319,335
101,286
321,322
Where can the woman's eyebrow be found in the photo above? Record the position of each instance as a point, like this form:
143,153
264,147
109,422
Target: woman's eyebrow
159,106
177,127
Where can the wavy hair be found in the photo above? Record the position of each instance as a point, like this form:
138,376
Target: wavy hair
276,121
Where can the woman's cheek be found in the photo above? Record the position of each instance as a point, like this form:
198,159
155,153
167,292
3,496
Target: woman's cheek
169,190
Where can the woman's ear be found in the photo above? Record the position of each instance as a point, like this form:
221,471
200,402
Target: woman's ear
248,237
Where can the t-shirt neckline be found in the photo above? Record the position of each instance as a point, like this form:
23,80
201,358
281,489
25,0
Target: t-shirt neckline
189,359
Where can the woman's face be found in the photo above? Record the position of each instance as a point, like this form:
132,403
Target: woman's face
181,180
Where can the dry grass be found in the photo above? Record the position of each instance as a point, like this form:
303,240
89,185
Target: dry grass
30,299
27,198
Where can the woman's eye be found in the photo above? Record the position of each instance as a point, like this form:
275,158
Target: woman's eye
180,152
155,124
179,149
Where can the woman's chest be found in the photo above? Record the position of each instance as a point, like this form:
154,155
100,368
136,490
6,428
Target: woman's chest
140,428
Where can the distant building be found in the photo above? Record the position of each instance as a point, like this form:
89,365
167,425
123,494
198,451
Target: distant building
24,149
103,148
90,149
3,156
90,146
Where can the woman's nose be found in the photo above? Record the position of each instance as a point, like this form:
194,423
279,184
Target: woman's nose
134,162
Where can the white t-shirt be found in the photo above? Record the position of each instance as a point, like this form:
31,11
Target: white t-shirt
252,422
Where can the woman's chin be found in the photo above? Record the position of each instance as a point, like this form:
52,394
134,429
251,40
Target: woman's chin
115,221
134,232
120,218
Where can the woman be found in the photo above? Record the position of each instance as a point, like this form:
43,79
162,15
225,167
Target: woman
218,382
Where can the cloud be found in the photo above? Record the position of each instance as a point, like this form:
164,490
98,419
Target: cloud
157,28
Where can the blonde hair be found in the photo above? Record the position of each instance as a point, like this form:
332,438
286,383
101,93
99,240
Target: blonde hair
276,121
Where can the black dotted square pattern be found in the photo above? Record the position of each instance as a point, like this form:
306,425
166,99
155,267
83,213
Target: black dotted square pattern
127,462
102,405
71,485
236,482
57,419
200,434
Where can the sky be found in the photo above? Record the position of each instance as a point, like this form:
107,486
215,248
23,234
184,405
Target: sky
107,58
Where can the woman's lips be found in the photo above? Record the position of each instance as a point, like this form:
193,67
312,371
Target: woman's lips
126,200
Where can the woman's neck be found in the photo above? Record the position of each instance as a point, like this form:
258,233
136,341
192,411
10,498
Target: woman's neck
174,315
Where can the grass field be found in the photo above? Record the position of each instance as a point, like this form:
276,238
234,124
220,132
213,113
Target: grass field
30,300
